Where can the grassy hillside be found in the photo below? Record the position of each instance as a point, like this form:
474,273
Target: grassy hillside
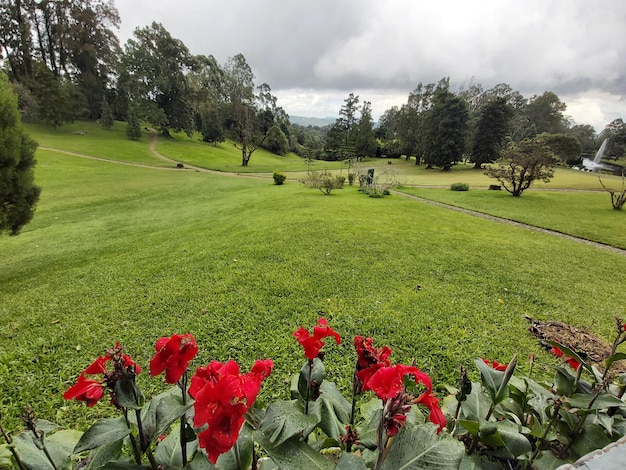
131,254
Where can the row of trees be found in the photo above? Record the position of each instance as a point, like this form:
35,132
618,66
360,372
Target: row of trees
66,63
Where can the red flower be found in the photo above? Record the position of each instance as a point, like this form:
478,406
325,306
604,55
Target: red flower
387,382
369,359
495,365
87,390
574,364
91,390
222,398
436,415
173,356
313,344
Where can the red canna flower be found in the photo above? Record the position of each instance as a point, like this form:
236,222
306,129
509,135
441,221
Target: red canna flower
495,365
387,382
313,344
574,364
87,390
91,390
222,398
369,360
173,356
436,415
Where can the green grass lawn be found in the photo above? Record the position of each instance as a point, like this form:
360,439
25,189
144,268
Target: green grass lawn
583,214
132,254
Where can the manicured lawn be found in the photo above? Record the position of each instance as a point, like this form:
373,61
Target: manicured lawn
583,214
117,253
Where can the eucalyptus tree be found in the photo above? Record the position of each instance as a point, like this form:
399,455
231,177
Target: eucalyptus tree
155,67
252,112
365,142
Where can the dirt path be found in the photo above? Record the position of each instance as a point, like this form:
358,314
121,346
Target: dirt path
512,222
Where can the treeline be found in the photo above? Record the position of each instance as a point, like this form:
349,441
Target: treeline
439,127
65,62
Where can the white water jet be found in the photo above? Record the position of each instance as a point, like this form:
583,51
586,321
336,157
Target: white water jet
600,152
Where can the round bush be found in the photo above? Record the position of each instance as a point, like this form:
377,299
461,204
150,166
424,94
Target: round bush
279,177
459,187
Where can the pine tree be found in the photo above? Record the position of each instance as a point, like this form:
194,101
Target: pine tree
18,194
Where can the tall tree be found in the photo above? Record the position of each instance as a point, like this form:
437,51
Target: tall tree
446,126
491,131
18,193
545,113
365,141
155,67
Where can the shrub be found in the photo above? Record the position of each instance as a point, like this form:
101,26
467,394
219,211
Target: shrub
324,181
351,177
279,177
459,187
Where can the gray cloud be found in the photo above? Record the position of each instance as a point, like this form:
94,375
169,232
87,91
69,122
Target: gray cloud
317,51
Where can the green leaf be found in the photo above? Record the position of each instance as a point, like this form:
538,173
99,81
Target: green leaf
515,443
200,461
103,431
317,377
546,460
61,445
604,401
128,395
6,457
620,356
101,456
162,411
30,455
477,404
492,380
168,452
293,454
285,419
477,462
372,411
419,447
564,382
473,427
350,462
568,352
591,438
332,410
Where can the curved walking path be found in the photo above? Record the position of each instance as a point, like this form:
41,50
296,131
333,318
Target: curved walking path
154,137
513,222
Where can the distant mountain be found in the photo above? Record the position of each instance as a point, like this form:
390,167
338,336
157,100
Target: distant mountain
312,121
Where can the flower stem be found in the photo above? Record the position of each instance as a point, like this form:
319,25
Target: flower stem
237,456
555,415
183,419
144,442
380,437
308,387
7,438
133,441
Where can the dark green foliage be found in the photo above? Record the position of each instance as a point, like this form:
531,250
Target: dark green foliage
133,129
276,141
523,163
545,113
18,194
459,187
210,125
106,118
491,131
279,177
446,129
565,147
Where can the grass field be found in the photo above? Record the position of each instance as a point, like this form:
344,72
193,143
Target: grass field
132,254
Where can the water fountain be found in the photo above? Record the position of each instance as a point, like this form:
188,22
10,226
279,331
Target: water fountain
595,164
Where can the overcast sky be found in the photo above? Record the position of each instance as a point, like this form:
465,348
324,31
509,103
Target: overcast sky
314,53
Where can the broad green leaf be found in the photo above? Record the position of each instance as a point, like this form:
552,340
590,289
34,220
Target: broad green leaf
370,408
477,462
128,394
515,443
168,452
477,404
46,426
100,457
200,461
162,411
267,464
317,373
332,410
591,438
285,419
60,446
350,462
103,431
126,465
492,380
6,457
473,427
546,460
420,447
564,382
32,457
293,454
604,401
367,431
